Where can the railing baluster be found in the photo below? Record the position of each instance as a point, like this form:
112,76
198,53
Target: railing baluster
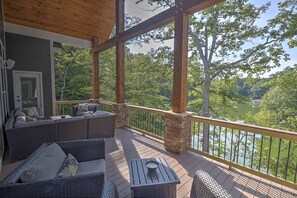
226,131
193,134
245,146
295,175
220,128
278,154
213,137
261,147
198,132
231,144
288,159
238,145
269,153
253,149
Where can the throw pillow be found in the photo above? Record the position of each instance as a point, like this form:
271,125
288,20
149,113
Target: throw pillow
31,112
46,166
83,107
69,167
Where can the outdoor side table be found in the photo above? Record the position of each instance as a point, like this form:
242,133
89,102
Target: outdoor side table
161,183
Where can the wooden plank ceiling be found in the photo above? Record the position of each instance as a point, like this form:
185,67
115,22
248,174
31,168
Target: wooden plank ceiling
77,18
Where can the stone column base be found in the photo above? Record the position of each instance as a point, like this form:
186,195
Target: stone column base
120,111
177,132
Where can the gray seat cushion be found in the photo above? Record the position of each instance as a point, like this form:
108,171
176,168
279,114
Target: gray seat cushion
46,166
89,167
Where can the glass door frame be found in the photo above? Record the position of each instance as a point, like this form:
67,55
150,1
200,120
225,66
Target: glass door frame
17,75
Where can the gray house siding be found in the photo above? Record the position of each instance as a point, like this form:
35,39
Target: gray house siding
30,54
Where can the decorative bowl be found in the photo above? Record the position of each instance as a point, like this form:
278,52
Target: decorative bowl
151,165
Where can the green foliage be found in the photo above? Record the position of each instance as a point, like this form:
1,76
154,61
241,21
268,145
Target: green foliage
107,75
278,106
73,73
224,43
148,78
286,21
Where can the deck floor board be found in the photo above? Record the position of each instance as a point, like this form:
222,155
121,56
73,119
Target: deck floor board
237,182
129,145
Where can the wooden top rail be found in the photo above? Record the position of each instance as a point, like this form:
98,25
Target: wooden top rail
288,135
71,101
150,110
106,102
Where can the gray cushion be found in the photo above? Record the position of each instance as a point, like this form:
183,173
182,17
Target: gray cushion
89,167
93,107
20,120
10,122
69,167
71,119
34,123
18,112
46,166
31,112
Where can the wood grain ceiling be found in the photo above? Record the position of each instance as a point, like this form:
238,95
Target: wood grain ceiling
78,18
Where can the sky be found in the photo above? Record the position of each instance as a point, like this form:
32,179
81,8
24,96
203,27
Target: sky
143,11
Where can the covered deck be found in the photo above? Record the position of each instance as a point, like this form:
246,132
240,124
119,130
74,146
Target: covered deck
129,144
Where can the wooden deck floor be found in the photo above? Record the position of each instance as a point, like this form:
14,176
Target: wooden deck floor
128,145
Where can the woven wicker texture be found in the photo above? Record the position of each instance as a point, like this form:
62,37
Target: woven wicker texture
88,185
205,186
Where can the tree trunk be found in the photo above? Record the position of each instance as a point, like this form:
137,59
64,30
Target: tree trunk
65,76
205,112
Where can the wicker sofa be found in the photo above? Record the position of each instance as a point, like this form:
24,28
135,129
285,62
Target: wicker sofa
24,138
90,182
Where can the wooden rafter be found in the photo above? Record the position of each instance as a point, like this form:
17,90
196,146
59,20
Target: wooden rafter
159,20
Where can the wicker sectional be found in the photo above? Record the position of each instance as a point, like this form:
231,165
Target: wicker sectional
24,139
89,184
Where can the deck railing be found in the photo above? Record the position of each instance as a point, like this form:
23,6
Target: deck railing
268,153
265,152
148,121
65,107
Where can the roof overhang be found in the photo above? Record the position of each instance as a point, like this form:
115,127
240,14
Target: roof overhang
83,19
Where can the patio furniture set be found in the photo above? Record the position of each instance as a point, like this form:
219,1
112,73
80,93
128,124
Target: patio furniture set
23,137
67,159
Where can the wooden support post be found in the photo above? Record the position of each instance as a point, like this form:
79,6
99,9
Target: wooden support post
120,53
180,60
95,73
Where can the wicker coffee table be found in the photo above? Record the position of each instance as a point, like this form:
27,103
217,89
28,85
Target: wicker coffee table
161,183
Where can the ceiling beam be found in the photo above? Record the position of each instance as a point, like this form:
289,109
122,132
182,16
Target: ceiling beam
159,20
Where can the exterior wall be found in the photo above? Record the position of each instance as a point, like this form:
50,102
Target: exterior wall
3,84
30,54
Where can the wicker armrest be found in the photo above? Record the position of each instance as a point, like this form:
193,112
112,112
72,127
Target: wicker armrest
109,190
84,150
205,186
89,185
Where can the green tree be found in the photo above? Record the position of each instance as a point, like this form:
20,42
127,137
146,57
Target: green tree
278,106
72,73
286,21
148,78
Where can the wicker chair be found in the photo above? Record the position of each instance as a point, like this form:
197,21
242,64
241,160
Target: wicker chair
86,185
205,186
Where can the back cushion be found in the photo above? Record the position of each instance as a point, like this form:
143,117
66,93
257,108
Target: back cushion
46,166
